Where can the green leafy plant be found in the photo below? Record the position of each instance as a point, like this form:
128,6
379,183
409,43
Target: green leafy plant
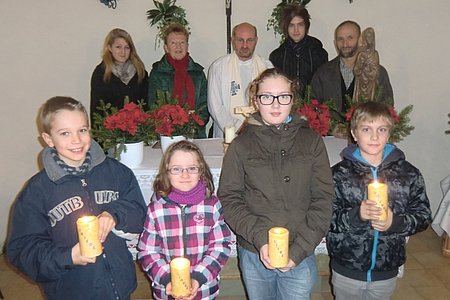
165,13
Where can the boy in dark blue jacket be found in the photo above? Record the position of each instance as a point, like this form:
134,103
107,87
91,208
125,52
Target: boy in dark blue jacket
77,180
366,251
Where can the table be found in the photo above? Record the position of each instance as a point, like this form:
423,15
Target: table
213,152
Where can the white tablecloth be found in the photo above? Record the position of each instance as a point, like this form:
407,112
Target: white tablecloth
213,151
441,221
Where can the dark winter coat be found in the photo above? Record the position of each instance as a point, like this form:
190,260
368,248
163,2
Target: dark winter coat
350,240
302,63
114,91
277,177
43,229
327,83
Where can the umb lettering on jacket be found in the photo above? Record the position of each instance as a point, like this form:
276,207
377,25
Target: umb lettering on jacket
103,197
65,208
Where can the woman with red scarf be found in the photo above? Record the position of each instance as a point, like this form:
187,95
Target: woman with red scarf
178,74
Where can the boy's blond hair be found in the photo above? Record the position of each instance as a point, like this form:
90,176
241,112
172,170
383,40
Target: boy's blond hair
55,104
371,111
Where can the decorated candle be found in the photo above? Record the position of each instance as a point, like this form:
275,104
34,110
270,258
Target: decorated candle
87,228
279,247
230,134
180,276
378,192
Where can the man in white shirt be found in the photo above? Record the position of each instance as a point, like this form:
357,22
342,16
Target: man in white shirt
229,77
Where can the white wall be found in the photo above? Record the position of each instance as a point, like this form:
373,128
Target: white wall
50,48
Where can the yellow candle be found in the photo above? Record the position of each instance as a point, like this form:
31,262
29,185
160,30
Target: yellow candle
87,228
230,134
180,276
378,192
279,247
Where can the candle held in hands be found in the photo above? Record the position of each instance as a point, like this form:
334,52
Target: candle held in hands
87,228
378,192
180,276
279,247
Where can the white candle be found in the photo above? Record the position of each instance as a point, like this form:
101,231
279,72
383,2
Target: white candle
230,134
378,192
180,276
90,245
279,247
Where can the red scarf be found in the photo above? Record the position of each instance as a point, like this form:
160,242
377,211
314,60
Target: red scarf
182,81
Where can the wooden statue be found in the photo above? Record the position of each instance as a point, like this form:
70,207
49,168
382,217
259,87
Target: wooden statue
366,68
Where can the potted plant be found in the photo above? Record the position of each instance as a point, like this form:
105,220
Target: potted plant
120,130
323,116
165,13
173,121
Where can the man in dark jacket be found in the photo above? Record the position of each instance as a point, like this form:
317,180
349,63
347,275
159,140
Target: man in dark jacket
299,55
335,80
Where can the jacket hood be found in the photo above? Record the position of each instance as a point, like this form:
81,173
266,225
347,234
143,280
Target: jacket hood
390,154
55,172
293,120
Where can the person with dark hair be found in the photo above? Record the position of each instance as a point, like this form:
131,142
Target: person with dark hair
120,74
335,80
180,75
300,54
185,219
276,173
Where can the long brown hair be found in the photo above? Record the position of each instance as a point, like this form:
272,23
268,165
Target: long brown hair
108,59
162,185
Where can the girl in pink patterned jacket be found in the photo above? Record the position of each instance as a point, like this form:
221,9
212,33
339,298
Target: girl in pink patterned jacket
184,219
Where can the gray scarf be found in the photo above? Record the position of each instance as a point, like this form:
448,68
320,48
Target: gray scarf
124,71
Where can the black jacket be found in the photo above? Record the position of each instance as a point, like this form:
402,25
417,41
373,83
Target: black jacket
115,90
350,240
300,60
43,229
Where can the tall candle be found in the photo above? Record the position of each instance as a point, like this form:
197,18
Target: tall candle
180,276
87,228
230,134
279,247
378,192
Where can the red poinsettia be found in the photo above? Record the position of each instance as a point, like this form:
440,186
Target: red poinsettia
128,119
173,119
318,116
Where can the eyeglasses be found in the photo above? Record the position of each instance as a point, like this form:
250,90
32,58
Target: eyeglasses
179,170
266,99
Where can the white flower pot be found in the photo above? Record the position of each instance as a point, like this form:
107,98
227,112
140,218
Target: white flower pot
166,141
133,155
